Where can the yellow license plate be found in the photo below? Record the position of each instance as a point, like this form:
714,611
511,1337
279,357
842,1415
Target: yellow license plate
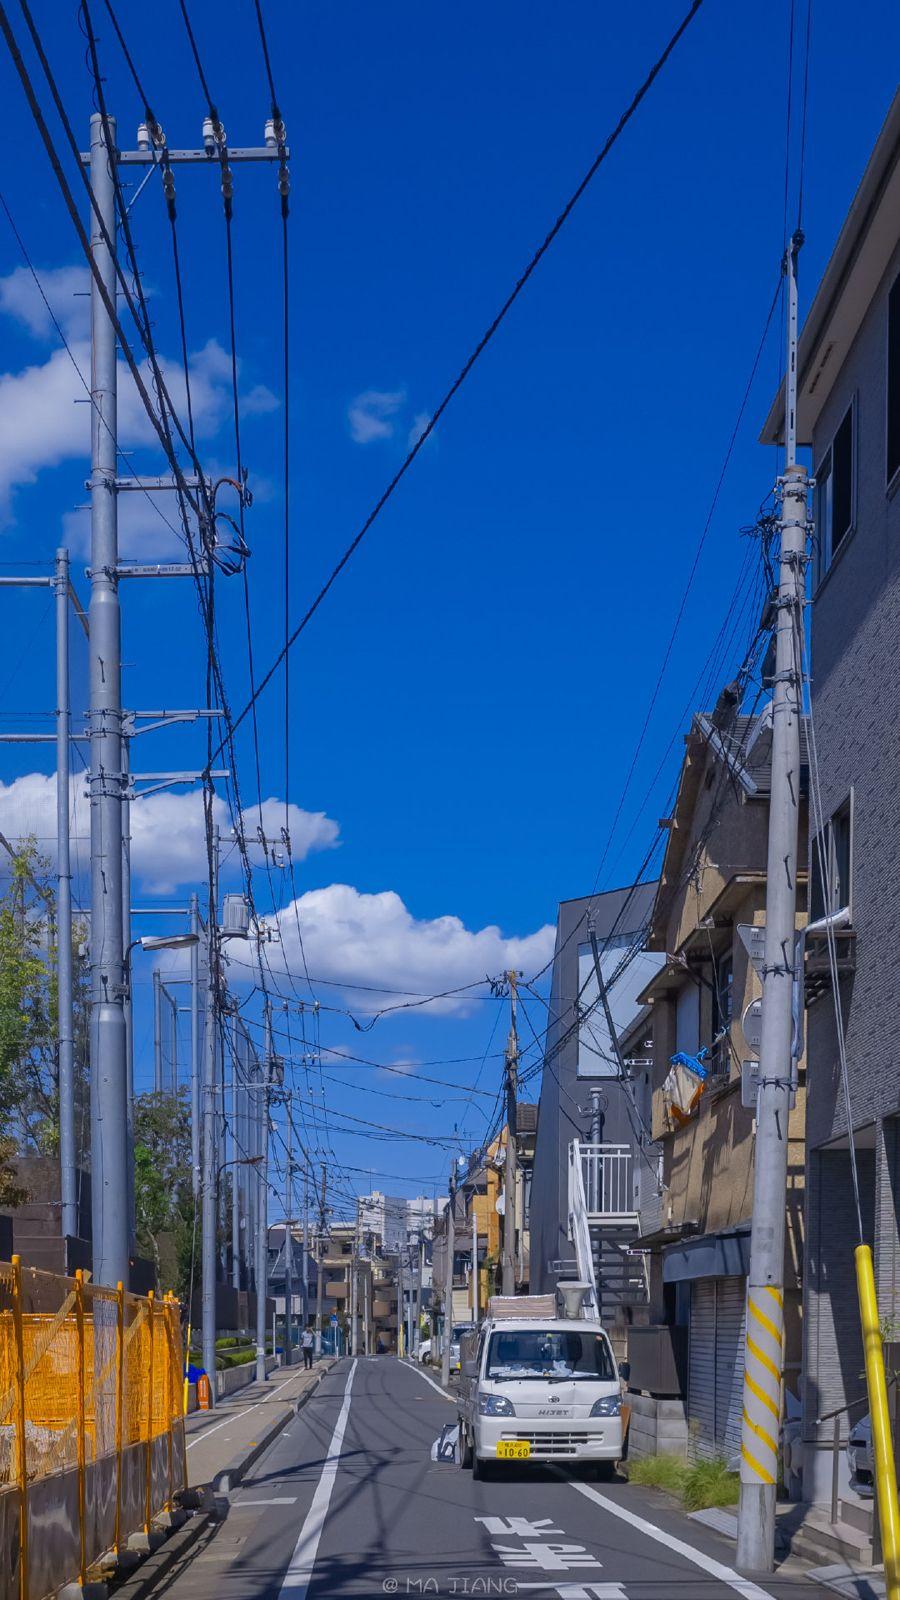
513,1450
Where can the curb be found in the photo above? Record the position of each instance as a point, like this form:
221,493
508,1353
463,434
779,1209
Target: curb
142,1583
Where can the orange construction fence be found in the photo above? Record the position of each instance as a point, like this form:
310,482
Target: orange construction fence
91,1424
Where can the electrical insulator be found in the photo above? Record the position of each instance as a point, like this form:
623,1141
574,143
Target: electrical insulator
270,138
143,136
209,136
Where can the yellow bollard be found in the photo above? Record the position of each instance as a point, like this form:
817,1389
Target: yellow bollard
882,1443
21,1444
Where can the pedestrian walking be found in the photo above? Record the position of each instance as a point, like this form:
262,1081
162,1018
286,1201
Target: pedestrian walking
307,1345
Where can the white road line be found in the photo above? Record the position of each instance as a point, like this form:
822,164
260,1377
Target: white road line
204,1433
436,1386
298,1576
716,1569
279,1500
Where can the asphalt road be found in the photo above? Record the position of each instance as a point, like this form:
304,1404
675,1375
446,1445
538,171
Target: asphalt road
347,1502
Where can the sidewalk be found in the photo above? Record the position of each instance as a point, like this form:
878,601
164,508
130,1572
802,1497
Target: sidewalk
222,1444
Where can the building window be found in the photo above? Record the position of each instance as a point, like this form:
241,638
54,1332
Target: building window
834,495
832,865
893,381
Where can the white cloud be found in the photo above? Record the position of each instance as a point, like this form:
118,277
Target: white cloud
66,290
372,414
419,424
45,410
355,938
168,840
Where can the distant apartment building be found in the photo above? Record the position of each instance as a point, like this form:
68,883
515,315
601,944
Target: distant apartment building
392,1220
848,413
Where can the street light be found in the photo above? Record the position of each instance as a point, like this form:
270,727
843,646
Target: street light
166,941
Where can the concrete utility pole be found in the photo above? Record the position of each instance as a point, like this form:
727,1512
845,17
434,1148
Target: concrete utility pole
238,1091
64,978
262,1220
765,1284
401,1306
508,1258
195,1047
320,1275
289,1244
448,1280
208,1203
109,1087
354,1300
305,1284
157,1032
475,1284
418,1324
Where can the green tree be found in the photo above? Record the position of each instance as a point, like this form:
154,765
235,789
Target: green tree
29,1083
164,1201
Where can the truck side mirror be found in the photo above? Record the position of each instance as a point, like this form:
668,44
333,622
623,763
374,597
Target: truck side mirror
470,1367
625,1370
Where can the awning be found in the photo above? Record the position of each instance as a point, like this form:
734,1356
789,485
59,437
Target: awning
715,1255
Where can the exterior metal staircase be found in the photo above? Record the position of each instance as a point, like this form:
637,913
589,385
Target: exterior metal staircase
603,1216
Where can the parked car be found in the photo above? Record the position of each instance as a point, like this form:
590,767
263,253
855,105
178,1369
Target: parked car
424,1351
539,1389
860,1459
456,1334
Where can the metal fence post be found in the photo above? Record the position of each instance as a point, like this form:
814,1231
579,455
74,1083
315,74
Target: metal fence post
21,1443
82,1427
835,1465
120,1402
170,1396
149,1452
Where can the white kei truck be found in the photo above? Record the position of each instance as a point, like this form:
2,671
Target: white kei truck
538,1387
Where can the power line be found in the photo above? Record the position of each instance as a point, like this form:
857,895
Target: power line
478,350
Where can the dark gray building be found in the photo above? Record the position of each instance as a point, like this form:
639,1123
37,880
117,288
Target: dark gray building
580,1058
849,413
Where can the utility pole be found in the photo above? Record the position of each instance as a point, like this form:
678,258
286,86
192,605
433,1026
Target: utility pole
401,1306
195,1048
320,1275
509,1174
354,1299
305,1285
262,1220
157,1032
475,1284
419,1289
66,1068
208,1205
238,1091
109,1086
448,1279
765,1284
289,1244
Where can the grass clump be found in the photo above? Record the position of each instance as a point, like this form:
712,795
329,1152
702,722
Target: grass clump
709,1483
659,1472
698,1484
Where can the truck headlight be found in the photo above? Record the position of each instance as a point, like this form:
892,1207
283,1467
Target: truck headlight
494,1405
609,1406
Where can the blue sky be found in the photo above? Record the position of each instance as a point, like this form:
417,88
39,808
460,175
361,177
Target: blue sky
465,705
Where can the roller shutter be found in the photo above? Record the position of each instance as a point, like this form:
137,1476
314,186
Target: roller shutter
716,1367
730,1303
702,1368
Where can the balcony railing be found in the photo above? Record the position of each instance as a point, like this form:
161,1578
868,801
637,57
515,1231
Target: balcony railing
606,1173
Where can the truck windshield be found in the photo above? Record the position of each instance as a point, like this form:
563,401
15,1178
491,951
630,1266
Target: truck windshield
537,1353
